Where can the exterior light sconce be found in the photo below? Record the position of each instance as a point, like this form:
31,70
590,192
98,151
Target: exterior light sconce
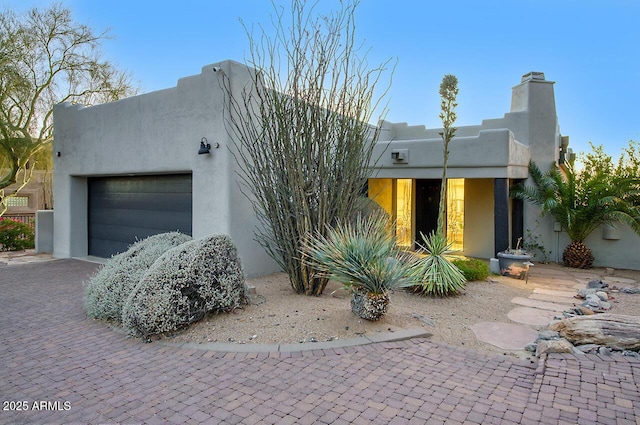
400,156
205,147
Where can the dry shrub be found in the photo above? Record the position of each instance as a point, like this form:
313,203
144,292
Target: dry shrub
199,277
107,291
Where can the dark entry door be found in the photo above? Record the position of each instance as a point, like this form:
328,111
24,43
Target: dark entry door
125,209
427,203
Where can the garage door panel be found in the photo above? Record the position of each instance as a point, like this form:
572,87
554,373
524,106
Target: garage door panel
124,209
144,201
143,219
107,248
143,184
107,232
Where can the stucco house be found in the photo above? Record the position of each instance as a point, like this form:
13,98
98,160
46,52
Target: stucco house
136,167
484,162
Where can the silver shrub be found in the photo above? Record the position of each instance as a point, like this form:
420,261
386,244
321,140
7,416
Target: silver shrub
106,291
199,277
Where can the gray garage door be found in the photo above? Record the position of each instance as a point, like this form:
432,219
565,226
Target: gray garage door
125,209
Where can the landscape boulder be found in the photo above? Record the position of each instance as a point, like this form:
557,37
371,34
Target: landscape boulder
616,331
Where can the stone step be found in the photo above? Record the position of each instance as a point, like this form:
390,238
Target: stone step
619,281
557,292
569,301
531,316
543,305
508,336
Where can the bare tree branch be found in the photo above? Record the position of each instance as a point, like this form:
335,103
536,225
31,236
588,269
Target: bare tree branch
46,58
301,130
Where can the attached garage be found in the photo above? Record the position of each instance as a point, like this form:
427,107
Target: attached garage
124,209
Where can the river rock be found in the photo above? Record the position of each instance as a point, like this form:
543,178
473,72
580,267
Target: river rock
583,293
554,346
588,348
548,335
596,284
602,295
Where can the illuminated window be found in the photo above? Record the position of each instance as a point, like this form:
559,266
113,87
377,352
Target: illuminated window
396,196
455,213
404,212
18,201
381,191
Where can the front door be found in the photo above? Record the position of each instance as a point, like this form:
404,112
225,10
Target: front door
427,203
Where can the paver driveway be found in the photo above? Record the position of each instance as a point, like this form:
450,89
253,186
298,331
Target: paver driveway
87,373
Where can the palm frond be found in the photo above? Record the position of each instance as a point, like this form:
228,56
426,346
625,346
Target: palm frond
582,202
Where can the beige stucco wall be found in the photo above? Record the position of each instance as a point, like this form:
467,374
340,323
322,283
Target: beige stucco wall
488,153
478,218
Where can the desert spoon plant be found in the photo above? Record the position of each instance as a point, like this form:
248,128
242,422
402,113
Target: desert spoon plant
364,258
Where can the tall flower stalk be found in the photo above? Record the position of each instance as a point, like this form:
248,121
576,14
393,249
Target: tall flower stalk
448,104
434,274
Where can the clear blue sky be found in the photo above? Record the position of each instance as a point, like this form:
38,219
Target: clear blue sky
590,48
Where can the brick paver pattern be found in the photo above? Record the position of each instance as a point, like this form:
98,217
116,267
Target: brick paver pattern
86,372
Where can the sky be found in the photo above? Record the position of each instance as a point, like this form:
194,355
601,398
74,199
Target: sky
590,48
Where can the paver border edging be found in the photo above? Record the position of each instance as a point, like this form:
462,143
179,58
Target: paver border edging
401,335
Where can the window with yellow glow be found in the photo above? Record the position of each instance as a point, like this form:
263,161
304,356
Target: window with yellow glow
404,212
455,213
396,197
381,191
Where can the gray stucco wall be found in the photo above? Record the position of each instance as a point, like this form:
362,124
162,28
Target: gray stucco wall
156,133
619,248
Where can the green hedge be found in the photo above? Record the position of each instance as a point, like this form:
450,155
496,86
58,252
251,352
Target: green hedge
472,268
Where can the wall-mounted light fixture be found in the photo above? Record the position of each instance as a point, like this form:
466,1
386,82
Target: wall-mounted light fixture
400,156
205,146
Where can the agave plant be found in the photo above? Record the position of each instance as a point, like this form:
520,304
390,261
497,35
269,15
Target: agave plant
435,274
362,255
581,202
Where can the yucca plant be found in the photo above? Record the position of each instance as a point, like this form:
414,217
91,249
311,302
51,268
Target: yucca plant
362,255
581,202
435,274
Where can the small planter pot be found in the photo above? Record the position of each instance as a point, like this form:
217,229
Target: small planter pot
369,306
515,265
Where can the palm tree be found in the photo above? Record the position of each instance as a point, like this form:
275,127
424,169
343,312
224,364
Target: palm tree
581,202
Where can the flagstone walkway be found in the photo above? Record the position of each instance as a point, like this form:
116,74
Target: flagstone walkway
554,290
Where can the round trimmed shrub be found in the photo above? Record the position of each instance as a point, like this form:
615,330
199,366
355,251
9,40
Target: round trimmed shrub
199,277
107,291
